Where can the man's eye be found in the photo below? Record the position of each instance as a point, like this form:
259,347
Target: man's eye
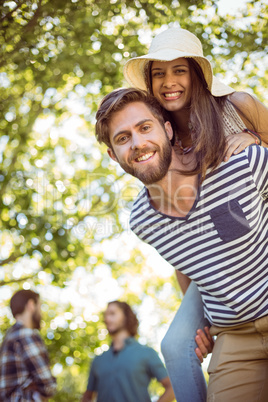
146,128
122,139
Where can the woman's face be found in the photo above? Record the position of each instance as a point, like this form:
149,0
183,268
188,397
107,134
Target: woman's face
171,83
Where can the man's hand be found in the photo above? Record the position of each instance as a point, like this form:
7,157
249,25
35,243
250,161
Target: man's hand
204,342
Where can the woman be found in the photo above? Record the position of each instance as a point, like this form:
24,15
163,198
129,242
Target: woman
206,114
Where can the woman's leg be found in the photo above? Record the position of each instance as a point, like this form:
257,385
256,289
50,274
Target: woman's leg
178,348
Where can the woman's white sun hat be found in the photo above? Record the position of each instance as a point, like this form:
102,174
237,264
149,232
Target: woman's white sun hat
170,45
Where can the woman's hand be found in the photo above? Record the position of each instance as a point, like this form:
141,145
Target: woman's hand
237,143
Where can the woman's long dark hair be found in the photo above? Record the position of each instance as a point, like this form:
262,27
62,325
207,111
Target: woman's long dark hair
206,123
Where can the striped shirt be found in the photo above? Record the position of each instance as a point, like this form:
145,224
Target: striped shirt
222,243
24,366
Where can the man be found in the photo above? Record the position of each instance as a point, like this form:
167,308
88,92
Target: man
123,373
214,231
24,366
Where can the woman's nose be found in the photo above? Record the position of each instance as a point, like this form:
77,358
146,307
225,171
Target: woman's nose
168,80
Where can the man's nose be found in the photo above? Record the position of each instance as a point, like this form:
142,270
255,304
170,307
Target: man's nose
138,141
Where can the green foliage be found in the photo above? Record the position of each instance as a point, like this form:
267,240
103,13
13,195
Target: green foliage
64,206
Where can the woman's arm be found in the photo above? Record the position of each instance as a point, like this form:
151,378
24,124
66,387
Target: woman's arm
253,113
255,117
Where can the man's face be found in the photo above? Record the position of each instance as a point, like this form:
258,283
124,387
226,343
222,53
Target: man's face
140,144
114,319
36,315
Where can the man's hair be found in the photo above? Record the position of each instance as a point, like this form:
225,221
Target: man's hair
116,101
131,323
20,299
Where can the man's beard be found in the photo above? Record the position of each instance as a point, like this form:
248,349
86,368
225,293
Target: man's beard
117,329
154,174
36,320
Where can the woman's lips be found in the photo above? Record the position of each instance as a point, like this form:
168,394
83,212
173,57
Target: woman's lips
172,95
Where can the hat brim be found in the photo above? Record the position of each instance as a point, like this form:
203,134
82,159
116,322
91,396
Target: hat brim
134,70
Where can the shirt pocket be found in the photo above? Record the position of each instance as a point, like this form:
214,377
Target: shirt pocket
230,221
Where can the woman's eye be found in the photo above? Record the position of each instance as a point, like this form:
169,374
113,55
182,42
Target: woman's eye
180,71
158,74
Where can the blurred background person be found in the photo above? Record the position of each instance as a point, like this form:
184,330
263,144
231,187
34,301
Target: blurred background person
123,373
24,364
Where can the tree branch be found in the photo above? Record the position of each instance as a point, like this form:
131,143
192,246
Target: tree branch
11,258
11,12
25,278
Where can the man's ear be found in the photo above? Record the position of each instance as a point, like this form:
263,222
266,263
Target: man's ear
111,154
169,130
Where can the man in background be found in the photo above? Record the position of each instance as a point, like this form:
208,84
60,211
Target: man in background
24,365
123,373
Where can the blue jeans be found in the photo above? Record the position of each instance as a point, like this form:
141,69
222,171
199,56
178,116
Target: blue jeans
178,349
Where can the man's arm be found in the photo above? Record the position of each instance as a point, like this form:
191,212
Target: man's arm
88,396
203,338
183,280
157,370
168,395
92,388
204,342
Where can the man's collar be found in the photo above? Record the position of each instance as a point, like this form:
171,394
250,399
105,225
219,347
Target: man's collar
18,324
128,341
